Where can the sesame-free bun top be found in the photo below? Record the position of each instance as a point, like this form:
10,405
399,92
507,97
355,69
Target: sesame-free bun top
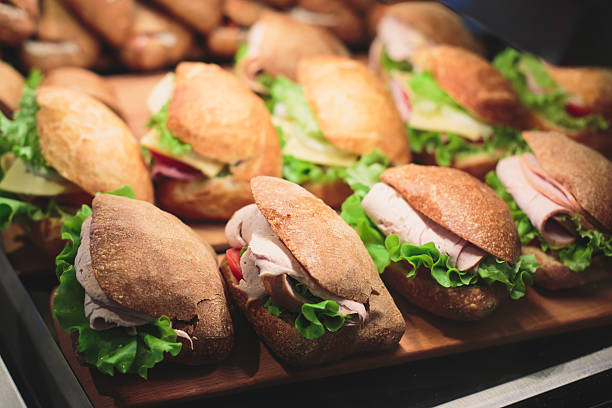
583,171
223,120
353,107
326,246
592,85
436,22
473,82
285,40
460,203
147,260
88,144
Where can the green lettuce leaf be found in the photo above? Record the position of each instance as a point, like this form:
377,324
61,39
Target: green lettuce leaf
167,140
241,53
388,64
362,175
19,135
551,103
290,95
448,147
424,86
112,349
385,250
301,171
577,256
315,317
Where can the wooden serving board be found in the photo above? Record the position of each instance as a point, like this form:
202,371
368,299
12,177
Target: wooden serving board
251,365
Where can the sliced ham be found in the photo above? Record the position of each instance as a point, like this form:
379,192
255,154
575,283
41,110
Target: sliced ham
267,257
540,197
400,40
393,215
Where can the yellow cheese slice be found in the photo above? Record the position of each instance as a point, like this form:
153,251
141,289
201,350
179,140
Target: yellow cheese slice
311,148
19,179
207,166
427,115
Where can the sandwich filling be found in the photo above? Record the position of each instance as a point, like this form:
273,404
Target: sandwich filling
172,158
394,232
272,275
399,40
248,64
30,190
547,214
436,123
537,90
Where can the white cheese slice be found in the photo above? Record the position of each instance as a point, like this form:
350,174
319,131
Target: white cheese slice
161,93
427,115
209,167
19,179
311,148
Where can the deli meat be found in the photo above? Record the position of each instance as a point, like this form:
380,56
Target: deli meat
541,198
393,215
400,40
266,256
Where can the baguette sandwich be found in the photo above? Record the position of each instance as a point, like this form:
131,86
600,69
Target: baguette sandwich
560,197
442,239
137,286
275,45
303,279
576,101
404,28
459,110
61,148
209,136
332,120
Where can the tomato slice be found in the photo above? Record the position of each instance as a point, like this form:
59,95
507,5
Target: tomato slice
233,259
169,161
577,110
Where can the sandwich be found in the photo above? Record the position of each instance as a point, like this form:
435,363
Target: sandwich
576,101
560,196
442,239
209,136
61,148
61,40
275,45
459,110
203,16
404,28
303,279
337,117
137,286
11,83
112,20
18,20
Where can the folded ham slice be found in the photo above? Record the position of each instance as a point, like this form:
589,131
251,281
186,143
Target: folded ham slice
539,196
266,258
393,215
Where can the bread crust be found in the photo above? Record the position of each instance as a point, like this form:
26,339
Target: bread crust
147,260
464,303
11,83
221,119
203,16
554,275
347,25
317,236
474,83
18,20
88,144
584,172
286,41
354,109
460,203
436,22
85,81
113,20
382,329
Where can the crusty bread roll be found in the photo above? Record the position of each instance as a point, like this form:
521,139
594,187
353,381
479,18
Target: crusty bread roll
354,109
468,208
222,120
11,83
334,15
148,261
85,81
334,256
18,20
111,19
88,144
474,83
203,16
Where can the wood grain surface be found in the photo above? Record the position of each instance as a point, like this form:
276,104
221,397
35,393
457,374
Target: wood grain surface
251,365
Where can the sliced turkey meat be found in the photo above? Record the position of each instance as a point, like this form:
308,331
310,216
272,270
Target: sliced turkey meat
400,40
393,215
540,197
267,264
